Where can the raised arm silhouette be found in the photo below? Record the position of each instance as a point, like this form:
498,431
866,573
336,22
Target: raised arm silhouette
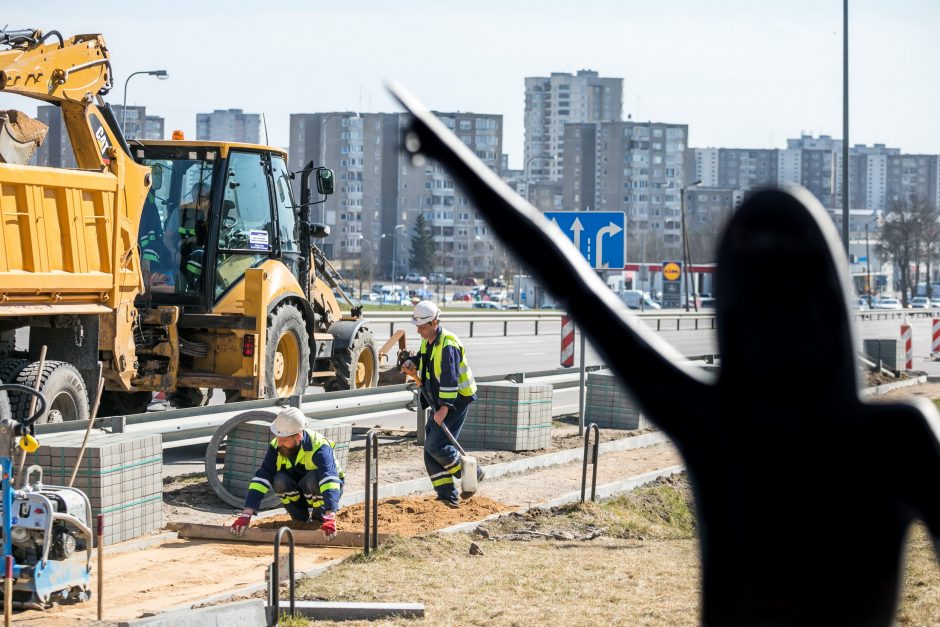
804,492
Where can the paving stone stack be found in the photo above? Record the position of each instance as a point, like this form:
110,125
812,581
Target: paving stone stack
889,351
509,417
121,473
607,403
247,444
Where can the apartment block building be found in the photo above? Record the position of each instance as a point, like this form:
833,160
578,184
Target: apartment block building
232,125
634,167
137,124
379,193
557,100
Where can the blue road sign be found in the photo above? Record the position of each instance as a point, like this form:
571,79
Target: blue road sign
599,235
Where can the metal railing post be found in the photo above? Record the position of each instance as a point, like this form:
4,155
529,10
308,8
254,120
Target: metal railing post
597,443
274,601
471,328
372,492
506,328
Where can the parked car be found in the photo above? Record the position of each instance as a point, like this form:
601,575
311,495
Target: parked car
637,299
920,302
935,302
861,303
887,303
486,304
464,296
439,279
371,297
467,281
516,307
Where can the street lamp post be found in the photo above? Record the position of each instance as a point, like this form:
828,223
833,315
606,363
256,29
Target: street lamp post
160,74
525,173
363,240
395,250
686,252
868,267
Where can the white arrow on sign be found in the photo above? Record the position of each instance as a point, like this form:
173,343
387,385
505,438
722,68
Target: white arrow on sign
576,228
611,230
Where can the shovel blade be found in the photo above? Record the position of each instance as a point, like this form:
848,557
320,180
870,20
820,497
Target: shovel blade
468,474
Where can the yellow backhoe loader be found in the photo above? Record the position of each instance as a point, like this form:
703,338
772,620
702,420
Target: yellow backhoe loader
172,266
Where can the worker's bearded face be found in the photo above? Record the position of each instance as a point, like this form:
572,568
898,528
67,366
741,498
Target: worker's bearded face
289,446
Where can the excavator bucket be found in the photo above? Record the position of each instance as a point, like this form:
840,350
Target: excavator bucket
20,136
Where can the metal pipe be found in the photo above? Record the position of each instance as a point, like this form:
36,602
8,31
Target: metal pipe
100,567
597,442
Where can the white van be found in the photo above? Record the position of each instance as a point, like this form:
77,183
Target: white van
638,299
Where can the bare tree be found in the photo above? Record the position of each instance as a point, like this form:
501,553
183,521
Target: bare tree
929,234
900,239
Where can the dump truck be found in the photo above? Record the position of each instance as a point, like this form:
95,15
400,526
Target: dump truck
158,266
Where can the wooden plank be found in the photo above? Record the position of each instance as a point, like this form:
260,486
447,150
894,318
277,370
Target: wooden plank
302,537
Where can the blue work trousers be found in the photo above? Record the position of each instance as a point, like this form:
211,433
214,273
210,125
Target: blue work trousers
440,457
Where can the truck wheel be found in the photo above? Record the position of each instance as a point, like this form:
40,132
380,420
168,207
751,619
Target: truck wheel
123,403
188,397
9,368
357,366
287,353
63,387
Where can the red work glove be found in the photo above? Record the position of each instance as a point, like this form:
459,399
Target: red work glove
241,523
329,525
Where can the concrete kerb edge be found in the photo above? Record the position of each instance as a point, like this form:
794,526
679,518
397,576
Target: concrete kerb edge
252,589
603,491
878,390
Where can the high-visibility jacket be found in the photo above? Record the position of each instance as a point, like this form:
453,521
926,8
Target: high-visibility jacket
314,455
444,370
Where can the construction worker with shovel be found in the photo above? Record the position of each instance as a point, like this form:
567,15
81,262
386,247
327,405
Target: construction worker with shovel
440,368
299,466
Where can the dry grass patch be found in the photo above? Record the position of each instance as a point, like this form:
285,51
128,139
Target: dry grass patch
632,560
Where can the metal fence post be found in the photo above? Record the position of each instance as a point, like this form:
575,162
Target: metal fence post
372,492
597,442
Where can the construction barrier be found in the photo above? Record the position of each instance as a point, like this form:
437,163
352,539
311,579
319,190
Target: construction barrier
567,341
907,342
935,341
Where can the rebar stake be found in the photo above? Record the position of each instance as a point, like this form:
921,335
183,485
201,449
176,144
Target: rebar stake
372,492
597,443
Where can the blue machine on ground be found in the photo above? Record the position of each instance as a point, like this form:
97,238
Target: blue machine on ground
42,526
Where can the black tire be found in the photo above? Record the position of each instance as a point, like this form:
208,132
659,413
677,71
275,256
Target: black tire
124,403
9,368
189,397
233,396
286,374
357,367
63,387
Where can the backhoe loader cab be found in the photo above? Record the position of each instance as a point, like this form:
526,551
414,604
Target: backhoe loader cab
222,240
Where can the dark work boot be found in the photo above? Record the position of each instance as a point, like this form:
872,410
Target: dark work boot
449,499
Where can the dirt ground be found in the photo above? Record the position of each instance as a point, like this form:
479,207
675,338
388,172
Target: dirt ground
180,572
406,516
176,572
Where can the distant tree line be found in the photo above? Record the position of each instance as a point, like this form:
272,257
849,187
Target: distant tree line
910,236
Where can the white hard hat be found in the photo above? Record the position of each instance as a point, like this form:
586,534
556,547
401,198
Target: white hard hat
289,421
425,311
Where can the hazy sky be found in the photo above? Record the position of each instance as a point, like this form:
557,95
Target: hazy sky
741,73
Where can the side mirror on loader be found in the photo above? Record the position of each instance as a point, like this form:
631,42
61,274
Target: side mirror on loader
319,231
325,181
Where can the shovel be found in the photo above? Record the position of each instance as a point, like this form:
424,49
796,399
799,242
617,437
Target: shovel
468,464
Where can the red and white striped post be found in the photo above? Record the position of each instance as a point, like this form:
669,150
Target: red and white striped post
935,341
567,341
907,340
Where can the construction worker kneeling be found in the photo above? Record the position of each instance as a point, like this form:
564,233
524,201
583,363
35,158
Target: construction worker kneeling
299,466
